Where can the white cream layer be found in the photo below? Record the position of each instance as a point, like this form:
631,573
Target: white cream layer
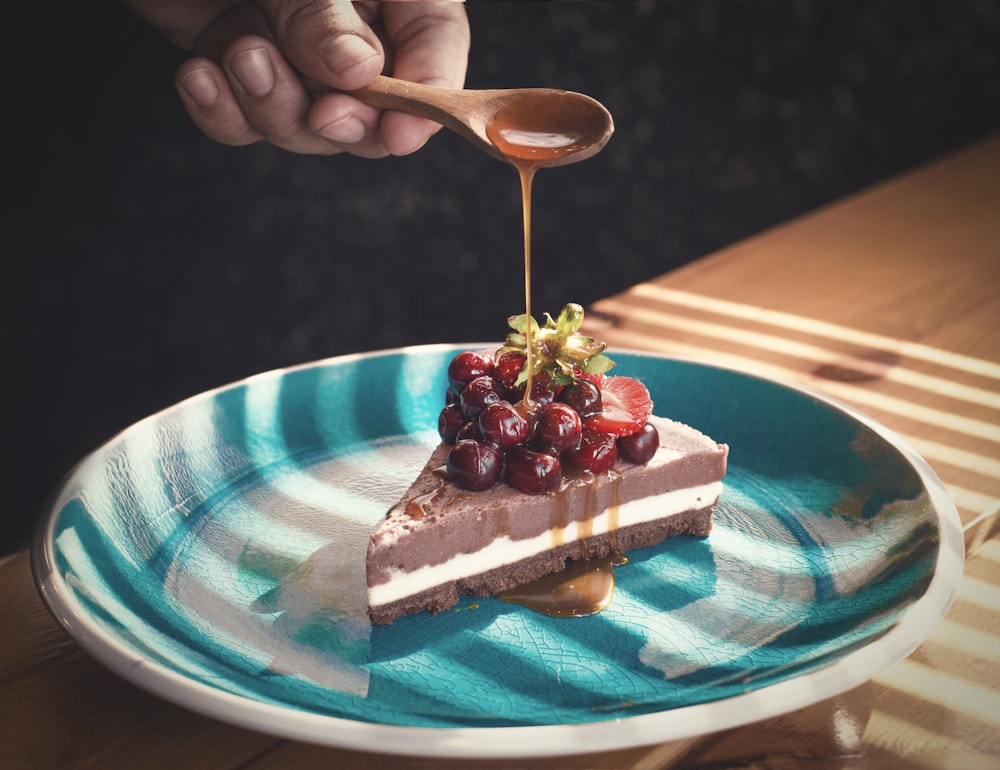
503,551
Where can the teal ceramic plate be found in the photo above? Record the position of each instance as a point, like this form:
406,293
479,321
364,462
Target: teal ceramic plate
214,555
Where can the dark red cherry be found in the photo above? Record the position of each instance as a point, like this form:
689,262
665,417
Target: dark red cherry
470,430
507,369
502,424
466,366
584,396
474,465
639,447
543,389
533,472
477,395
450,422
558,427
597,452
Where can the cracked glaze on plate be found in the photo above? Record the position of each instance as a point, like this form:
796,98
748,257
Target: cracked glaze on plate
214,555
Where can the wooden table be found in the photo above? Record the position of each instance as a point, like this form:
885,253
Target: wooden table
888,300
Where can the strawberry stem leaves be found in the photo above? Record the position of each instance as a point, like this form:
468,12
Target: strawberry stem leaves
559,349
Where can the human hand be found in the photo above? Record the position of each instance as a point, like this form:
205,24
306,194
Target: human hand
263,70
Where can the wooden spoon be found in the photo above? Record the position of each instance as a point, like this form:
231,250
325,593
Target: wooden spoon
540,127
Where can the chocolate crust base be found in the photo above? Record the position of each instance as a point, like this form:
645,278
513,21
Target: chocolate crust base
694,522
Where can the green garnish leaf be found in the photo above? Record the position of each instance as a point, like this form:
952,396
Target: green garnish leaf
559,350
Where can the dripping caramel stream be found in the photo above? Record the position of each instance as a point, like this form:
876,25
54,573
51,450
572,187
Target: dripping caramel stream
586,585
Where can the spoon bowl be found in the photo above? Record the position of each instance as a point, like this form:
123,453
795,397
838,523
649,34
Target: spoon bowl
541,127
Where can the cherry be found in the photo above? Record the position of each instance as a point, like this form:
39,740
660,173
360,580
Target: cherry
507,369
597,452
477,395
450,421
533,472
470,430
543,389
502,424
558,427
584,396
465,367
474,465
584,426
639,447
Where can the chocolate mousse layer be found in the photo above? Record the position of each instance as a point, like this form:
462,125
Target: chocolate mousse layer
435,520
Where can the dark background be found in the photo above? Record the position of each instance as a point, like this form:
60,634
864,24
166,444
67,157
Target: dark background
146,264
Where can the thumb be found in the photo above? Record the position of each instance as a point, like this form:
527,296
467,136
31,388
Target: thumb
325,40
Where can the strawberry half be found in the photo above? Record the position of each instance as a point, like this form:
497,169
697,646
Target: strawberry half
627,406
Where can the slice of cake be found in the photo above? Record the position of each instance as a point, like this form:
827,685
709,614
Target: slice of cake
521,485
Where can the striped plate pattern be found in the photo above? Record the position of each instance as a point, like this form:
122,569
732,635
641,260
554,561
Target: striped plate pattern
214,554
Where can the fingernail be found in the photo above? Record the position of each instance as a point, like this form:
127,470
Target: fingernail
254,71
349,130
344,51
200,87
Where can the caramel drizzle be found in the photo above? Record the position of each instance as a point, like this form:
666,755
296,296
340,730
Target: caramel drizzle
587,585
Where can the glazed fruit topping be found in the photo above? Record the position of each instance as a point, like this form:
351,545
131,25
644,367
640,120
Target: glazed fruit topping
467,366
474,465
508,369
533,472
471,430
596,453
478,394
450,422
502,424
584,396
639,447
576,420
626,405
558,427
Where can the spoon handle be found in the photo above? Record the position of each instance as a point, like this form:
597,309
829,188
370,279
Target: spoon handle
456,109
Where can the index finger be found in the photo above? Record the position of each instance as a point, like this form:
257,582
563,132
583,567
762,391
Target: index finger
326,40
430,41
